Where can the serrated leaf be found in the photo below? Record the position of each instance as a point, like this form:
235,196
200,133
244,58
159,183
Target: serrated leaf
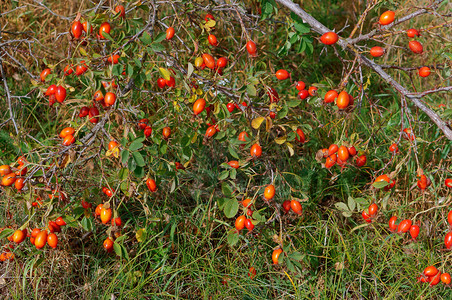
351,203
157,47
256,123
280,140
293,103
283,112
87,224
380,184
165,73
301,28
233,152
138,158
160,37
223,175
141,235
233,174
341,206
231,207
251,90
107,36
290,265
123,174
360,200
296,255
226,189
190,69
135,145
233,238
146,38
290,147
83,51
125,156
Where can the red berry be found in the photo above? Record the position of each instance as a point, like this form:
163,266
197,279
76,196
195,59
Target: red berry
414,231
282,74
329,38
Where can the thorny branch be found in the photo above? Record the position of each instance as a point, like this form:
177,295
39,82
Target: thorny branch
347,44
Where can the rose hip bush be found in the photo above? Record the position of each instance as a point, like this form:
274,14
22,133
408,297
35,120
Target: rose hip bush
254,118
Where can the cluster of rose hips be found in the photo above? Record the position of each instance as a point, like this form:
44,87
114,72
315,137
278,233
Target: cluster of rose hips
415,46
14,175
448,237
39,238
433,276
343,99
143,124
293,205
67,134
370,213
56,94
242,221
207,60
78,28
404,226
340,155
105,213
162,82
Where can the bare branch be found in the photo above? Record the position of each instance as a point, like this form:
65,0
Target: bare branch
8,96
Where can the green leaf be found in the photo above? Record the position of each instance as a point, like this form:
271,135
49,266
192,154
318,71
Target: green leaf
258,217
129,70
226,189
341,206
107,36
190,70
233,174
283,112
139,160
157,47
231,208
160,37
125,156
125,188
123,174
233,238
351,203
296,256
87,224
233,152
301,28
117,69
380,184
223,175
293,103
347,214
146,38
163,149
139,172
135,145
251,90
131,164
289,264
6,232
